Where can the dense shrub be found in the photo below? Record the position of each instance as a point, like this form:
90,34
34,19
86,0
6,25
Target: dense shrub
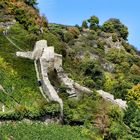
37,130
115,26
93,70
132,120
68,37
134,94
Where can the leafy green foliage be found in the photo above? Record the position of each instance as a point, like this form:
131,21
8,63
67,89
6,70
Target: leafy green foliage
134,94
115,26
68,37
94,21
84,24
31,2
132,119
37,130
93,70
74,111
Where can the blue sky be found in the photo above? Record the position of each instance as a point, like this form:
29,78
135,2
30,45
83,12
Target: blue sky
73,12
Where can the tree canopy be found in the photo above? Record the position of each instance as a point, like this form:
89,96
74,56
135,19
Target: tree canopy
94,22
84,24
114,25
31,2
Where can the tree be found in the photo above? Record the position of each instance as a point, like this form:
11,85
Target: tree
114,25
132,120
31,2
84,24
94,22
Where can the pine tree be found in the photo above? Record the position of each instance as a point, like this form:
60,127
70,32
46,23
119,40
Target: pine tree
84,24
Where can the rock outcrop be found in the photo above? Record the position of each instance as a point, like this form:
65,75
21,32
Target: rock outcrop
7,24
111,44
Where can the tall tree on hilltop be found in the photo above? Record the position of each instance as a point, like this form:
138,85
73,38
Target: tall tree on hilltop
31,2
94,22
84,24
114,25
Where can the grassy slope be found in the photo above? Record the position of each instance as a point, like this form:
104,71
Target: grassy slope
40,131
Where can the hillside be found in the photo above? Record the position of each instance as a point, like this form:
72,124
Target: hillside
97,57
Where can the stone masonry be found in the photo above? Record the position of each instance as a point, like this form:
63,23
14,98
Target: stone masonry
47,61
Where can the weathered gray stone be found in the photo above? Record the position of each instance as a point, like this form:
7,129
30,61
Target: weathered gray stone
81,88
111,44
48,55
24,54
7,24
68,83
121,103
38,49
109,97
57,61
2,89
107,66
46,85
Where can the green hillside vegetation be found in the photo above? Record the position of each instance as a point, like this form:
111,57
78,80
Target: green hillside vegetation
89,57
41,131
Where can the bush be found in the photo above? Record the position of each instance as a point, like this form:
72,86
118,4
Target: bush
89,83
94,21
109,82
68,37
93,70
133,94
115,26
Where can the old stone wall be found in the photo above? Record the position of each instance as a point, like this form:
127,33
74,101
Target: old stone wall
48,61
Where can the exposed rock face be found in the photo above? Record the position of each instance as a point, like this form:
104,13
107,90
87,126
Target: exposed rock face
110,97
7,24
80,88
108,66
111,44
